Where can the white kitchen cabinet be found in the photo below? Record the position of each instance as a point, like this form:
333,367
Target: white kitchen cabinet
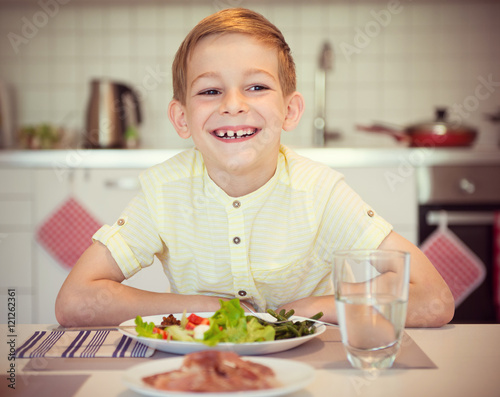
104,194
16,219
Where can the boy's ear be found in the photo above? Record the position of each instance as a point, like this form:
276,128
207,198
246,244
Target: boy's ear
177,116
295,108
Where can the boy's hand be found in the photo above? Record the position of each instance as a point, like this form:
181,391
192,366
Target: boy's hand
308,307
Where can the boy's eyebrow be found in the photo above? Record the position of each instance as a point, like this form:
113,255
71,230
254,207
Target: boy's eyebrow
204,75
247,73
253,71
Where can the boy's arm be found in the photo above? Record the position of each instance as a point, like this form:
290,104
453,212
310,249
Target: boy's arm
93,295
430,302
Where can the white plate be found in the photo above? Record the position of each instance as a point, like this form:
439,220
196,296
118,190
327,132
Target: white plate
243,349
292,375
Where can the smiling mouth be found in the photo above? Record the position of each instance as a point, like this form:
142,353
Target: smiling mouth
238,134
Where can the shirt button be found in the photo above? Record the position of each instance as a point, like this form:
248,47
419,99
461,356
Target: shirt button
121,222
236,204
242,293
370,213
236,240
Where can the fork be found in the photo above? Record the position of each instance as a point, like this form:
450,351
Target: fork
257,315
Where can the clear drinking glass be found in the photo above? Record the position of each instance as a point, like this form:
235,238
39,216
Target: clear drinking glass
371,297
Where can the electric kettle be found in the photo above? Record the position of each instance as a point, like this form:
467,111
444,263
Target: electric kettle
113,112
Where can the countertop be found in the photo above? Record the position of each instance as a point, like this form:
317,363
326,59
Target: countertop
333,157
465,362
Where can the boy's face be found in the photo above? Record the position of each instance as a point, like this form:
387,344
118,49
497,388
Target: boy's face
235,109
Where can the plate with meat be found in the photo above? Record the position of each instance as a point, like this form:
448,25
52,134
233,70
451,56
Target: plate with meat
212,373
169,345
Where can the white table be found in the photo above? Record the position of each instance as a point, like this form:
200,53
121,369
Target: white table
467,358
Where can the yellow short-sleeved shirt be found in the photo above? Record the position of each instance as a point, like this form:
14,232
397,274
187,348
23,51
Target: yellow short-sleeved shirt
271,246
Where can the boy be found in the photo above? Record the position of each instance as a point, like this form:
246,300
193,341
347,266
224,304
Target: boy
240,215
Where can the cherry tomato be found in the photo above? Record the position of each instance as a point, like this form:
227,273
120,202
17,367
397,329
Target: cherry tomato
190,325
197,320
162,332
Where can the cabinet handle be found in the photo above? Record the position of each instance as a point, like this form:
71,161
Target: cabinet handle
123,184
466,186
461,217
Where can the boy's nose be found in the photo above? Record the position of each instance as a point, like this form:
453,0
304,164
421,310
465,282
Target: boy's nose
233,103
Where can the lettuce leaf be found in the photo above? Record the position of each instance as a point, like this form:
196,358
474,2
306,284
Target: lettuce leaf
258,332
145,329
229,324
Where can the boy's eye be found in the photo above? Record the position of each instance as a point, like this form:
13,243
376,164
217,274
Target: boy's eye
258,88
209,92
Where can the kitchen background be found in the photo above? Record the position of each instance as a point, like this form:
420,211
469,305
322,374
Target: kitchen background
394,61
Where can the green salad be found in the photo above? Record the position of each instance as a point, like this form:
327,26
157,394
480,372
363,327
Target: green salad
229,324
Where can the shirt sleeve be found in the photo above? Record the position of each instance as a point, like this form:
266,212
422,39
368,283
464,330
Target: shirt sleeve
349,222
133,239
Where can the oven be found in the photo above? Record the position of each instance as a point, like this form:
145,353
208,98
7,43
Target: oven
468,197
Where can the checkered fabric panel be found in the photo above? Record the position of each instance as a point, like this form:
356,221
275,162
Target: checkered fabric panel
68,232
459,266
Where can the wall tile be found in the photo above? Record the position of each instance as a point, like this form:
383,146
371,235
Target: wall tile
145,44
426,54
118,16
91,18
147,17
63,73
118,44
63,17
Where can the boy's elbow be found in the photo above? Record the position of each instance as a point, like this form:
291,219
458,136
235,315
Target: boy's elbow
434,310
61,310
445,315
66,311
442,307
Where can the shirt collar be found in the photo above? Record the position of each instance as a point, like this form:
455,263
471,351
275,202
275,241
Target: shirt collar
211,189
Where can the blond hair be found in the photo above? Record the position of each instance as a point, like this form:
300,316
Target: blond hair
234,20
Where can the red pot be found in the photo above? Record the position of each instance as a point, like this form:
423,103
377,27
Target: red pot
439,132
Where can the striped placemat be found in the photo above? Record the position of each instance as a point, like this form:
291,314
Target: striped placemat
97,343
